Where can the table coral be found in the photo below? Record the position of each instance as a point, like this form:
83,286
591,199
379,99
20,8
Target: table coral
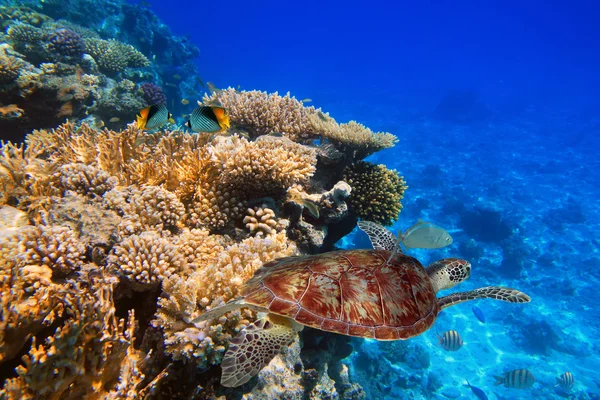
376,192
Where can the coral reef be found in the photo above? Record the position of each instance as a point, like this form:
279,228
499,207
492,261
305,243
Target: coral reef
376,192
86,65
113,236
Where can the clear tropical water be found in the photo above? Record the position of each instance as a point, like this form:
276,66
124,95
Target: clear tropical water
497,110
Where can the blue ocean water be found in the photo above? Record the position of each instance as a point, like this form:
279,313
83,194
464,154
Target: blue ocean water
497,110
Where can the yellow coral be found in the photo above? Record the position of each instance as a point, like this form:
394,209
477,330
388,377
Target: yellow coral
262,221
376,192
85,179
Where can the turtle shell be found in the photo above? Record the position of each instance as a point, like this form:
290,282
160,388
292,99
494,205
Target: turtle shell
351,292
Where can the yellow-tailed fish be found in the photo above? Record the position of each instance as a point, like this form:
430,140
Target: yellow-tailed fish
99,124
307,100
565,381
212,88
311,207
450,341
208,119
114,119
171,84
517,379
322,116
185,102
425,235
153,117
176,76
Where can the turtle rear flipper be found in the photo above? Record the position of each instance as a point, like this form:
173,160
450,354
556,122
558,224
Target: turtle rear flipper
490,292
254,347
224,309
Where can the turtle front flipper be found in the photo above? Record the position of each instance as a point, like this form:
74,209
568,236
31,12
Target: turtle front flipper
381,238
490,292
254,347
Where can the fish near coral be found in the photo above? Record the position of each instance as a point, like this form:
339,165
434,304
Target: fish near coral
153,117
208,119
450,341
425,235
565,381
516,379
359,293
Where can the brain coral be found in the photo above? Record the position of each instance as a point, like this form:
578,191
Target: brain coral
376,192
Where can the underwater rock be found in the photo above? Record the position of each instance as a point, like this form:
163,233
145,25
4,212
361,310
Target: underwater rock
485,225
461,107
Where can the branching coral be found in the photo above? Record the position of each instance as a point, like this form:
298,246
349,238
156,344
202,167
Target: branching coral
87,354
376,192
262,221
265,166
149,207
146,259
260,113
212,283
113,56
85,180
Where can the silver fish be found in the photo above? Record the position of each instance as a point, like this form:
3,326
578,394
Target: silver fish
516,379
425,235
450,341
565,381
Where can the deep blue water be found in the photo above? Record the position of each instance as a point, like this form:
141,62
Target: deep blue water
497,109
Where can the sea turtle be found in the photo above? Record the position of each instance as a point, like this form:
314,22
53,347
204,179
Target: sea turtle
363,293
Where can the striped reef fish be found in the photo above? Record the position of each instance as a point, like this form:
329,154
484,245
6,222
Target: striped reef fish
208,119
450,341
516,379
153,116
565,381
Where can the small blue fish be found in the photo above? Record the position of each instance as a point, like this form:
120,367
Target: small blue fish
478,314
476,391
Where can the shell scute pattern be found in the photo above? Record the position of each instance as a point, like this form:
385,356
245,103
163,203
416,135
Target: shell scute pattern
355,293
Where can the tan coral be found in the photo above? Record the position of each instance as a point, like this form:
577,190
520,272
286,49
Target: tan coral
212,283
260,113
88,355
215,205
85,179
145,260
148,207
266,166
262,221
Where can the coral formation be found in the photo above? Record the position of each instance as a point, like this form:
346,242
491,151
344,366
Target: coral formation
113,56
376,192
172,224
153,94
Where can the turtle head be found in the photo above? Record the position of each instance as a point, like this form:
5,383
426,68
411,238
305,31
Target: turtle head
448,273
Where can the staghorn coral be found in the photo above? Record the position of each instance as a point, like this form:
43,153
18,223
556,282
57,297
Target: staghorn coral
210,284
145,260
266,166
376,192
148,207
85,180
113,56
